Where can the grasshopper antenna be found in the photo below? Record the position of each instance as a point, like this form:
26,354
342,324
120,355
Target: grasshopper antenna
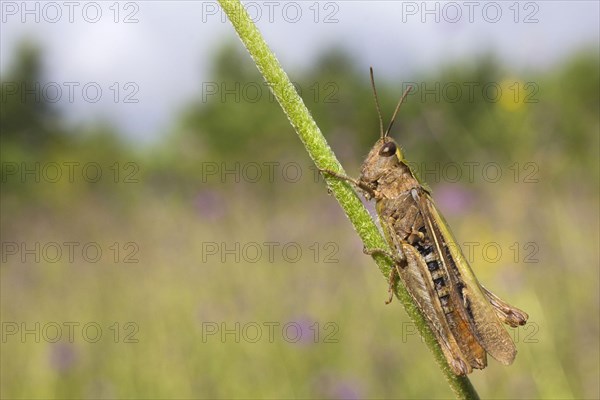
408,89
377,104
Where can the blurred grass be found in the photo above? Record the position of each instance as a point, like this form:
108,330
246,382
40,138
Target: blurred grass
175,289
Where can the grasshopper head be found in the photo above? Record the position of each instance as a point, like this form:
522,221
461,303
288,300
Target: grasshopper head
385,156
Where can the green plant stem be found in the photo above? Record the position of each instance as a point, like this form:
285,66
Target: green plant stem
324,158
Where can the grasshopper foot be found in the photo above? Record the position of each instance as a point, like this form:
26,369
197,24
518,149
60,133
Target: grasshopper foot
392,282
395,258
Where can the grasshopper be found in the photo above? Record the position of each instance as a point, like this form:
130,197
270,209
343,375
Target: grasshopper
464,316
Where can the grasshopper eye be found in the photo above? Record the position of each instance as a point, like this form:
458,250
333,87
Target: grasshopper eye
388,149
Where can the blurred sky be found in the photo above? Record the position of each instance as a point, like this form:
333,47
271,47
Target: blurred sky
159,52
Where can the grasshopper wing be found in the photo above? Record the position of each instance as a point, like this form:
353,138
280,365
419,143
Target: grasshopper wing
415,278
508,314
485,323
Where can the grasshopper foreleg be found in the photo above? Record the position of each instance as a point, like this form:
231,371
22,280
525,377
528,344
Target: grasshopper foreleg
369,192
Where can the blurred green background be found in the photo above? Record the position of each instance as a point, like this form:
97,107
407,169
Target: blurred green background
223,273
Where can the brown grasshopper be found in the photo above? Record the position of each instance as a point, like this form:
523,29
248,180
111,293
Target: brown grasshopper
464,316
